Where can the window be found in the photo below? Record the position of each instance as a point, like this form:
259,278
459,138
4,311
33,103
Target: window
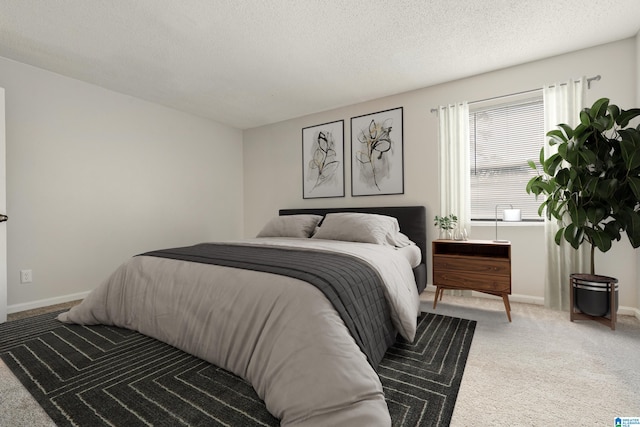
503,138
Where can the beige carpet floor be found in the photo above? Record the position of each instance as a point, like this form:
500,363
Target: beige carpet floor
17,407
542,369
539,370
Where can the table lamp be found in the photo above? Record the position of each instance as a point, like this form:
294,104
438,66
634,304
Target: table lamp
510,215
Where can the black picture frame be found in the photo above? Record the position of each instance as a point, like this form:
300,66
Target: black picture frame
323,160
377,153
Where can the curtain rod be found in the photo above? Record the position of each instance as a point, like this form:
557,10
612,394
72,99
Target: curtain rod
589,80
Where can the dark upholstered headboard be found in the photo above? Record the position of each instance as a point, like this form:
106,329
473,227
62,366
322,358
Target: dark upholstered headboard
412,221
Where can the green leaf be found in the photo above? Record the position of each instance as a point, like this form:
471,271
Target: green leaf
581,132
633,229
577,213
589,186
563,149
532,165
560,209
604,188
541,209
592,215
634,184
568,130
612,228
588,156
582,138
599,108
630,147
626,116
606,122
548,186
630,134
534,184
571,233
556,137
601,240
530,183
614,111
562,177
558,237
584,118
550,165
599,126
601,214
628,151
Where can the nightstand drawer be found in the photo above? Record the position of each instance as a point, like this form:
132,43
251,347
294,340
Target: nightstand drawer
472,280
479,265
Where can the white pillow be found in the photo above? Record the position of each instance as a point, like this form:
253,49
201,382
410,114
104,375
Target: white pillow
399,240
358,227
290,226
412,254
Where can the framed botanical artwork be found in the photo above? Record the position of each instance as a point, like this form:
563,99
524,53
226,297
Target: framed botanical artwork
377,153
323,160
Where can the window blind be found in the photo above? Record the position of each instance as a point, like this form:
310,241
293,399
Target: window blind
503,138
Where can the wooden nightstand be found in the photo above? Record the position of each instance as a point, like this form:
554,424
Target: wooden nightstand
477,265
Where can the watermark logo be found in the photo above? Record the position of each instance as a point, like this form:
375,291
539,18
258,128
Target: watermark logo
626,422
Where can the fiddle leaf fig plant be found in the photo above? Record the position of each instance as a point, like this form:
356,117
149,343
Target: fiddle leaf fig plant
592,183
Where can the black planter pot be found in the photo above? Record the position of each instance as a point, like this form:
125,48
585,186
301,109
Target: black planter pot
591,294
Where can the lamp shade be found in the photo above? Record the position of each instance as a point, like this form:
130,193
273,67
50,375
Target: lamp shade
508,215
512,215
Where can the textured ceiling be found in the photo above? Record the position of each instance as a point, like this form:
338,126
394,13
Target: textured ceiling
246,63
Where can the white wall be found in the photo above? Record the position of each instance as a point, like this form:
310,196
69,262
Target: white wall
273,170
94,177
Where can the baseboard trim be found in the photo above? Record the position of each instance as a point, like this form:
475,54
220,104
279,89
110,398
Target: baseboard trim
15,308
425,298
430,290
525,299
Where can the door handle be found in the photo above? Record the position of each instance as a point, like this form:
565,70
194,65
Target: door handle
3,218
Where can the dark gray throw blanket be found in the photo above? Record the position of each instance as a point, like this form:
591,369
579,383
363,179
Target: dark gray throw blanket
354,287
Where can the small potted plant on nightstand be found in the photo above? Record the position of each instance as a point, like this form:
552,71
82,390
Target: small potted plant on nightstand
446,224
592,187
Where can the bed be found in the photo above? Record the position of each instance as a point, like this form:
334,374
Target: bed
310,352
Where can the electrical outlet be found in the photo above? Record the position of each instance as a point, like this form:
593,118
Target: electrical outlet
26,276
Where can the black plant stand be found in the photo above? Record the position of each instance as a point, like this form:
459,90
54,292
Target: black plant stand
585,279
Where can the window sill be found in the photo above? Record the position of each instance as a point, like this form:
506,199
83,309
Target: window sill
507,224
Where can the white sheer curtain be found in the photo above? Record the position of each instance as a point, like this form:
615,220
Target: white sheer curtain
453,141
562,104
453,148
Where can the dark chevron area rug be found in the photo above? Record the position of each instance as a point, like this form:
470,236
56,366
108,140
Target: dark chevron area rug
102,375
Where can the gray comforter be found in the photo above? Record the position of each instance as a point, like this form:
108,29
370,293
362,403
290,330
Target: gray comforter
281,335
